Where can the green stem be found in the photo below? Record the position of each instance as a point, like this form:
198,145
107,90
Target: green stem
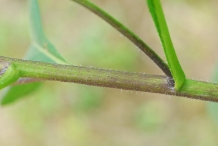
107,78
127,33
161,25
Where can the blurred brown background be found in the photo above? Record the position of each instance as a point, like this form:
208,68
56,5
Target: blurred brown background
70,114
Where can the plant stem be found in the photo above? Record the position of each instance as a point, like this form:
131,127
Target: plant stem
111,78
127,33
164,34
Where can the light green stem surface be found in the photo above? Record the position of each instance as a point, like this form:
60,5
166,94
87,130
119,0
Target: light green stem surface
106,78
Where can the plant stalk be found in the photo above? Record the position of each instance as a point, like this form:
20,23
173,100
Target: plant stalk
111,78
128,34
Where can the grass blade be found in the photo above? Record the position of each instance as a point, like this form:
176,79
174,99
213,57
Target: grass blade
161,26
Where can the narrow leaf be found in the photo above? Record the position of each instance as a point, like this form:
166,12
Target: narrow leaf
39,40
41,49
161,26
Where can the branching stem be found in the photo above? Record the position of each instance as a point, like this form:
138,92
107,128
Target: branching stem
110,78
127,33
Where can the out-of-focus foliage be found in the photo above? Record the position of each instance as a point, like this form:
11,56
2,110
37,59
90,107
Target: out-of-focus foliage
41,49
80,115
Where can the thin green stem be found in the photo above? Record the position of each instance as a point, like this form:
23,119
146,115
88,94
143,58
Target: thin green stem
108,78
161,26
127,33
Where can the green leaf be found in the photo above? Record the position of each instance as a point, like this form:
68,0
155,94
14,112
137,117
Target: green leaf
40,50
39,41
16,92
161,26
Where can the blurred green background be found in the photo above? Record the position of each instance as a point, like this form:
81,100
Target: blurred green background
79,115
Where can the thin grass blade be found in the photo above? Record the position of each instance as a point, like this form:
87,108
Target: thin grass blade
161,26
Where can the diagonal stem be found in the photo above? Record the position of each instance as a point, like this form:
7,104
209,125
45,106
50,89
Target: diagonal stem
127,33
170,53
